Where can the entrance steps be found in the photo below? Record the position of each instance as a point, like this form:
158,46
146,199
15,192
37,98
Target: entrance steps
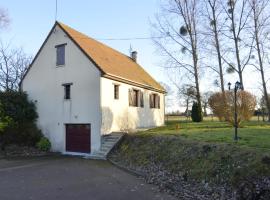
107,144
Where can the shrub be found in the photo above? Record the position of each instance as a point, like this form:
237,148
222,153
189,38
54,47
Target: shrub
18,119
222,105
196,113
44,144
17,106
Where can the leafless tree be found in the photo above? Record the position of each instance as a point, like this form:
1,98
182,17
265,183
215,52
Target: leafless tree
4,18
187,93
238,12
214,25
205,100
168,96
181,47
13,65
260,32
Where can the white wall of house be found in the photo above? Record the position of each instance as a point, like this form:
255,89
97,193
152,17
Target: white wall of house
117,115
44,82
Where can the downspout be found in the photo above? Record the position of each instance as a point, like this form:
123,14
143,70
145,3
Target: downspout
163,109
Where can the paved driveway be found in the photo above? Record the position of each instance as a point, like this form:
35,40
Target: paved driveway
71,178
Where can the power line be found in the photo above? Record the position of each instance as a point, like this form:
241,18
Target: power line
131,38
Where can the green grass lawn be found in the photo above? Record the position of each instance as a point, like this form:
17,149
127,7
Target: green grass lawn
252,134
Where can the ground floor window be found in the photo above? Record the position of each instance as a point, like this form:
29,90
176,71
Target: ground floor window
154,100
136,98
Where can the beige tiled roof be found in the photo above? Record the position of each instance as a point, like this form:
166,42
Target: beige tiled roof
110,61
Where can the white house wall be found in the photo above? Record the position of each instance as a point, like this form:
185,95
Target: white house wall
117,115
44,82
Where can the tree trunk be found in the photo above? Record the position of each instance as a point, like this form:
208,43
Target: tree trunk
237,52
218,49
256,32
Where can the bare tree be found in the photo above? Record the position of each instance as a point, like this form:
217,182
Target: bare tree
238,13
205,101
176,44
260,32
4,18
215,23
187,93
168,96
13,65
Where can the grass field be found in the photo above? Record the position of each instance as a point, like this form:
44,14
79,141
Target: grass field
204,151
254,134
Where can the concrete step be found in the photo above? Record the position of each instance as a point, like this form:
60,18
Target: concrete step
110,139
107,144
105,149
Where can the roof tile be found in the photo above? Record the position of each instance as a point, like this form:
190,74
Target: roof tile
110,61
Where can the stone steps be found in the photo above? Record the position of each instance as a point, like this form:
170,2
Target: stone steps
107,144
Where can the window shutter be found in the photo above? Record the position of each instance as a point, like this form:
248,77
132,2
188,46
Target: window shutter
60,55
151,100
141,99
130,97
158,101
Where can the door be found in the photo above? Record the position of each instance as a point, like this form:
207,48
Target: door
78,138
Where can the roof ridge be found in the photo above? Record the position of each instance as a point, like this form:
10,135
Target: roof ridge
88,37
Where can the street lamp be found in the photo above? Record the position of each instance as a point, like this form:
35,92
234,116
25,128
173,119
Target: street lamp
237,86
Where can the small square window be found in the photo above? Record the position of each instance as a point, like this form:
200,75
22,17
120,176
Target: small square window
60,54
116,91
67,90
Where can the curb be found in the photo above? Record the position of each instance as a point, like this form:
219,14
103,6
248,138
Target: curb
10,157
128,170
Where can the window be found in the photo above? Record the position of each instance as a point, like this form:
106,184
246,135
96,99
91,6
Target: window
116,91
141,99
67,90
136,98
60,54
154,101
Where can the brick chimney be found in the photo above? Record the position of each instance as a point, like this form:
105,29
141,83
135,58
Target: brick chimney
134,56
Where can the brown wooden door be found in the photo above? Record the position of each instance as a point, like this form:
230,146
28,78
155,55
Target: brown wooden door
78,138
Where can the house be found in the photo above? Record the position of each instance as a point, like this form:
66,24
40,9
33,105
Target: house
84,89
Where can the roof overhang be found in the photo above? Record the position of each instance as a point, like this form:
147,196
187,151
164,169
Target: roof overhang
120,79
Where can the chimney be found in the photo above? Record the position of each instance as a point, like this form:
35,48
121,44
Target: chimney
134,56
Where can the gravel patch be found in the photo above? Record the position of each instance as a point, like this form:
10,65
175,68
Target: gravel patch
21,151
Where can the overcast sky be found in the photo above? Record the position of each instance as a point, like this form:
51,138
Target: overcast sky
31,20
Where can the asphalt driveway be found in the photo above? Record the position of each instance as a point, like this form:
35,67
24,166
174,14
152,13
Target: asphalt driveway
71,178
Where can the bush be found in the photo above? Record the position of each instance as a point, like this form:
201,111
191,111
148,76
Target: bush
222,105
17,106
196,112
18,120
44,144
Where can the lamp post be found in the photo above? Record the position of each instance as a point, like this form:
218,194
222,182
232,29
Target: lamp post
237,86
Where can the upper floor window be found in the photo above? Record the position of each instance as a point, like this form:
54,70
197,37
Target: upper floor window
154,101
67,90
116,91
60,54
136,98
